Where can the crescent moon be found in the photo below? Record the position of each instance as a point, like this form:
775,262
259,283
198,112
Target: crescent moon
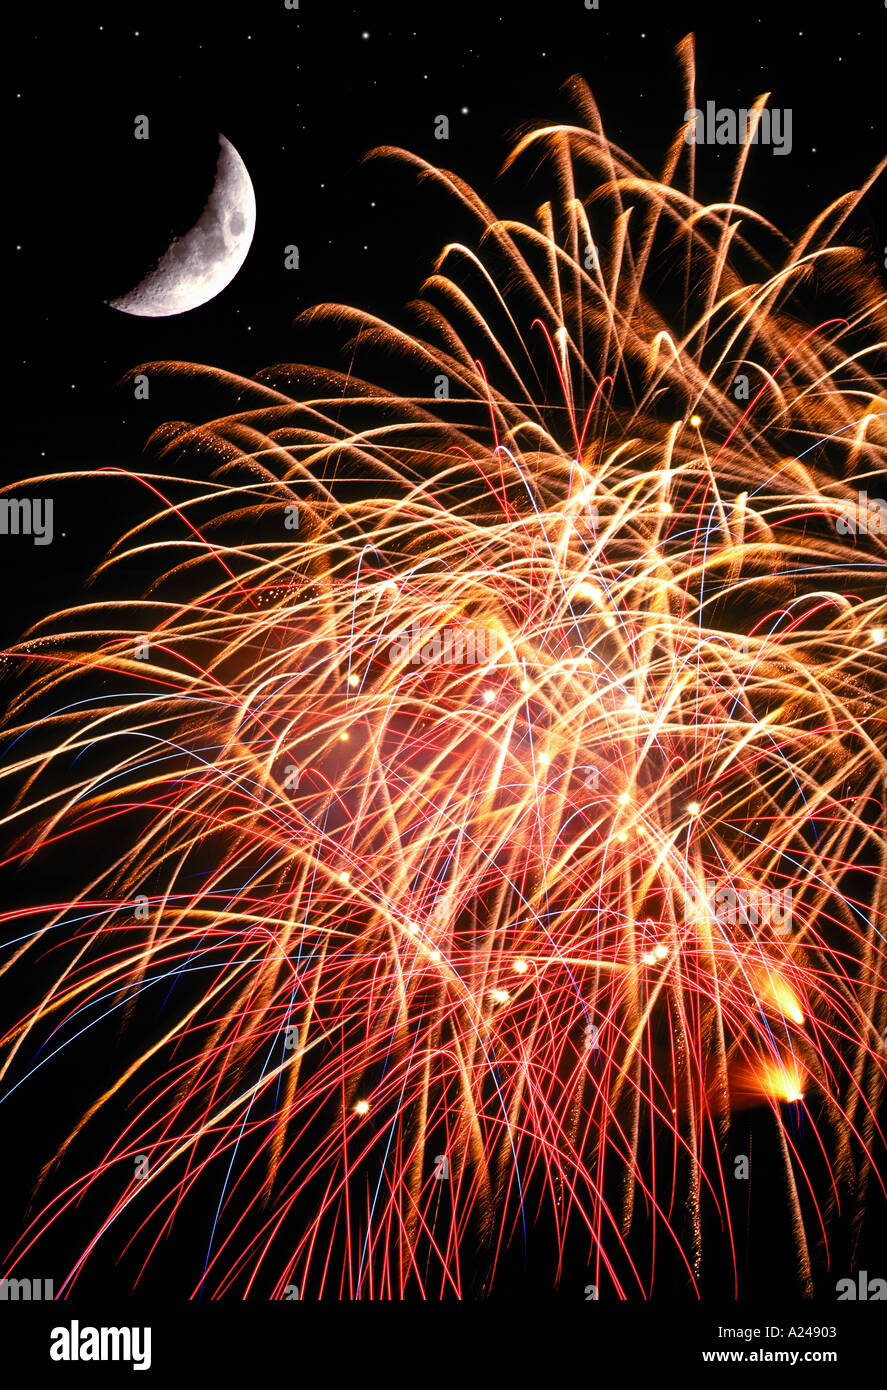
198,265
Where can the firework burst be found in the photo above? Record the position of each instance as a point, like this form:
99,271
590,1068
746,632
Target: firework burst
489,784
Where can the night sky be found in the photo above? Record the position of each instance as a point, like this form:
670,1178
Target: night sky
303,94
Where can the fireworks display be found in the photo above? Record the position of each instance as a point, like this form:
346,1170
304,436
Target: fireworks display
482,811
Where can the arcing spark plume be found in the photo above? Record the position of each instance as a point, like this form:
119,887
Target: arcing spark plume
489,786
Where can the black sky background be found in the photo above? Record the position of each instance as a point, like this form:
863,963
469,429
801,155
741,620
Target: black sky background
303,95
